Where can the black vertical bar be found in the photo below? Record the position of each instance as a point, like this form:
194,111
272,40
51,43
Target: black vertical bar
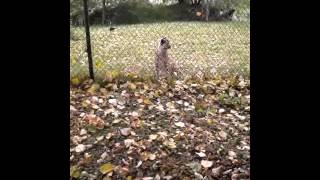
86,21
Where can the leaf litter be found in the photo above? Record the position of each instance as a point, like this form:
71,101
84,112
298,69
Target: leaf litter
142,130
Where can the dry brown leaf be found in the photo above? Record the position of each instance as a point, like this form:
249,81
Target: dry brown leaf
125,131
179,124
128,142
206,164
170,144
223,134
201,154
95,121
153,137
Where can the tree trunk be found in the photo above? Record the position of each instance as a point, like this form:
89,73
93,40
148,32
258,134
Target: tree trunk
103,11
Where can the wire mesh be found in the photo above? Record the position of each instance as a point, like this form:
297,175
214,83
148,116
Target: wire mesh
214,47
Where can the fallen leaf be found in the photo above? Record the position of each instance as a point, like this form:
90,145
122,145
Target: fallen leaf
72,108
104,91
163,135
211,121
116,121
198,176
75,81
240,117
186,104
100,138
132,86
139,164
179,135
106,168
179,124
108,111
144,156
242,84
135,114
206,164
227,171
113,102
106,178
74,172
125,131
217,171
201,154
157,177
223,134
232,154
94,99
82,115
85,103
95,121
83,132
147,101
109,135
110,174
116,114
160,108
179,102
128,142
136,123
94,106
233,111
80,148
153,137
152,157
120,107
196,167
104,155
170,144
147,178
91,129
93,88
167,177
170,105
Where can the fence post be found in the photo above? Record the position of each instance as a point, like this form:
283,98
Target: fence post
207,10
86,21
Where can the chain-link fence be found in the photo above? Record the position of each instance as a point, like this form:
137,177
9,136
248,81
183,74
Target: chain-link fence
221,45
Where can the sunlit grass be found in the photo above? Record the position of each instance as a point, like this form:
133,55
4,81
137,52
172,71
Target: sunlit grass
195,46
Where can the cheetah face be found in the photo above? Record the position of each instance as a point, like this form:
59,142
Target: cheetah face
165,43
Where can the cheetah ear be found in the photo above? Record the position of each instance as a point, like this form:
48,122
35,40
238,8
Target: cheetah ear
162,41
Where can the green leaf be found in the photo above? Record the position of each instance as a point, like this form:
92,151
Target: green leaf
75,81
93,88
196,167
106,168
92,129
74,172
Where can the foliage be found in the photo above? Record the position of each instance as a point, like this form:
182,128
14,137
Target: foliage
143,130
138,11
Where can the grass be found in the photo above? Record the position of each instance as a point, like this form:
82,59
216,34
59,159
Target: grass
195,46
